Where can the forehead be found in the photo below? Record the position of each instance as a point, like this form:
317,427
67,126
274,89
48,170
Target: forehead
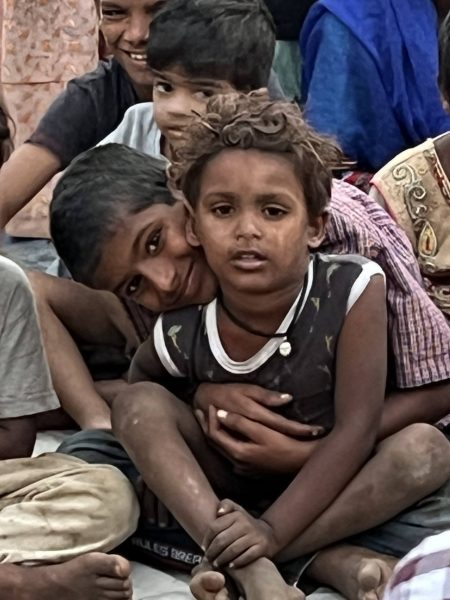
178,76
257,168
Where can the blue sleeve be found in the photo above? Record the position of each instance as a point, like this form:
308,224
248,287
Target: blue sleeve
344,95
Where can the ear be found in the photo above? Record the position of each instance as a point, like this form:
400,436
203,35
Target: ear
191,233
316,230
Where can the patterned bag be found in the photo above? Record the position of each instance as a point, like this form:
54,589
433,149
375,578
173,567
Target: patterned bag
417,194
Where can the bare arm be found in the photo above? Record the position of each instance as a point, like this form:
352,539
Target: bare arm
146,365
427,404
26,172
69,310
359,394
17,437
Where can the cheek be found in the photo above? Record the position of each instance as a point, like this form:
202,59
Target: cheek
160,112
112,33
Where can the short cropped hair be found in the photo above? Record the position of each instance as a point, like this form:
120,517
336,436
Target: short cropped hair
231,40
100,188
253,122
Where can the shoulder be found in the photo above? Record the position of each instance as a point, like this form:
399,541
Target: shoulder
138,129
174,336
106,71
15,290
11,275
355,264
350,272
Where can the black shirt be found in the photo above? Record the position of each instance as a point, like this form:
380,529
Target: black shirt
88,110
289,16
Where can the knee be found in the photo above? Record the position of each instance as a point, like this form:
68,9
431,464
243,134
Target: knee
140,402
114,504
423,452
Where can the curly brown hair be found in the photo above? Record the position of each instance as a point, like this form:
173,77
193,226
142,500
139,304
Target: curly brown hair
253,121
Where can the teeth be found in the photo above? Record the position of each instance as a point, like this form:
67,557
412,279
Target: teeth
140,57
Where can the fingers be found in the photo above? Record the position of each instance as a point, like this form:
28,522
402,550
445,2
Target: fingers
256,428
220,524
230,543
202,421
232,552
268,397
247,557
227,506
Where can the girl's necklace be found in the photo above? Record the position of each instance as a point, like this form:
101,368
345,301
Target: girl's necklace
285,347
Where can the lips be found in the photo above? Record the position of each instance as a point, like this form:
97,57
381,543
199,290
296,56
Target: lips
248,260
138,57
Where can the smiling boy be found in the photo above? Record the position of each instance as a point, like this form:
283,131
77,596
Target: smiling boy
90,108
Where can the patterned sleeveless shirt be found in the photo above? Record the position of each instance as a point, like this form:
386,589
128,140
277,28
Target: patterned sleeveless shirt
188,344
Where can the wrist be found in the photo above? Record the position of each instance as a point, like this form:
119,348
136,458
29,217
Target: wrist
273,546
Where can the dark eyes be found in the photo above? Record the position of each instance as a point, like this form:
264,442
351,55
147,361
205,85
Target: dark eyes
163,87
112,13
152,246
153,242
222,210
204,94
133,285
272,212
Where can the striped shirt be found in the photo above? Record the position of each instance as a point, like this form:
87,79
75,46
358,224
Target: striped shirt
424,573
418,331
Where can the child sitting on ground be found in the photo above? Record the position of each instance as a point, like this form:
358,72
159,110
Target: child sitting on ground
251,172
26,385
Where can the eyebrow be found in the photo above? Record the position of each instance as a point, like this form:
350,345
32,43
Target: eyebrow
199,82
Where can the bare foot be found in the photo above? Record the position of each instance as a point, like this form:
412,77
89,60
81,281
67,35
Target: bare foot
94,576
261,580
372,576
357,573
208,584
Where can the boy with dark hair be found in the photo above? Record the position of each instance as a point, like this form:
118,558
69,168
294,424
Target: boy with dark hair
197,49
139,182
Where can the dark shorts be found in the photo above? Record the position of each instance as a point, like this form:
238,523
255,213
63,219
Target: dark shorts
151,544
172,545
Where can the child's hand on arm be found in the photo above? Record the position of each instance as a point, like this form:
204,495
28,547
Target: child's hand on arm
361,365
236,539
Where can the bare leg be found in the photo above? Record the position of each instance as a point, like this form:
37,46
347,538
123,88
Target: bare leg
407,466
357,573
168,447
94,576
68,309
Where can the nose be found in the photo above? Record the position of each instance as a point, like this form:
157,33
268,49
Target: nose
137,30
247,226
181,103
163,278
